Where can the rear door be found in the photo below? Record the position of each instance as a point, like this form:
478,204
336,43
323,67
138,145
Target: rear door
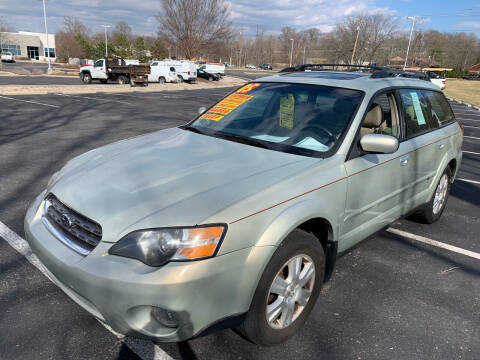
424,137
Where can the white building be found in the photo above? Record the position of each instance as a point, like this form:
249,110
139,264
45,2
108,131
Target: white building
28,44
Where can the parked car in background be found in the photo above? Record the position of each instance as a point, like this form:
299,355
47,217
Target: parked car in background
265,67
186,70
213,68
206,75
250,66
162,73
236,218
471,77
437,79
114,69
7,56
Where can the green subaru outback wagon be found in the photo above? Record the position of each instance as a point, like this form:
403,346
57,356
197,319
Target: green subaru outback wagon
235,219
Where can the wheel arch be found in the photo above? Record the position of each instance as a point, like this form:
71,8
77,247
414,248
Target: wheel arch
301,216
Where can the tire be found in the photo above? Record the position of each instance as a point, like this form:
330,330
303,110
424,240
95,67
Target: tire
210,78
122,80
179,79
301,245
162,80
103,81
86,78
432,211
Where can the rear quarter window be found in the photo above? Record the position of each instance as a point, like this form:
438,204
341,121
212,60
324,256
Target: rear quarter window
441,112
417,112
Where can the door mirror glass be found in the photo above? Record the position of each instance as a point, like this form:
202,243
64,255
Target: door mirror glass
379,143
201,110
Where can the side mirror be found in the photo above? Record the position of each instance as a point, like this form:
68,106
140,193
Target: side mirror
379,143
201,110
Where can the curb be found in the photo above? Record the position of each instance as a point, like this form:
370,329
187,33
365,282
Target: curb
464,103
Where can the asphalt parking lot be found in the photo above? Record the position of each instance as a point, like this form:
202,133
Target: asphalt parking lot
390,297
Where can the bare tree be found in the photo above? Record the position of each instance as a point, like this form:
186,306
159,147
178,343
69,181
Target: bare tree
5,28
192,24
67,39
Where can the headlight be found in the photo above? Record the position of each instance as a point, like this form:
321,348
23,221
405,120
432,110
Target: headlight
156,247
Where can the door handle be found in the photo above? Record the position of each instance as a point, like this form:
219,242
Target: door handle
404,160
441,145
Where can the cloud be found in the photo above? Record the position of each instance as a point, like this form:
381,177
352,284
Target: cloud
268,16
469,24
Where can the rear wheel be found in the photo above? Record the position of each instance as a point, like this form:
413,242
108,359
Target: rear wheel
210,78
287,290
122,80
86,78
161,80
432,211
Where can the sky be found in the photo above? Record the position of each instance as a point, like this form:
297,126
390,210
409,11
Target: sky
268,16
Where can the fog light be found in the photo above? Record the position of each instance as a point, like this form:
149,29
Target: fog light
165,317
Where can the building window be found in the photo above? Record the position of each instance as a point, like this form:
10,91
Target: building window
14,49
52,52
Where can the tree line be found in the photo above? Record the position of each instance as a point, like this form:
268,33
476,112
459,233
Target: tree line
200,29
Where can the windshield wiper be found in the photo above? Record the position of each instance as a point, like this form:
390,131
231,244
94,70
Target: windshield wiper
242,140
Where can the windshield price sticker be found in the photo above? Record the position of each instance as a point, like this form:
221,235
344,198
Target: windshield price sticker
247,88
230,103
287,108
209,116
418,109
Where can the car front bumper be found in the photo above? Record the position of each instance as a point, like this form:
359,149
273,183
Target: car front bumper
122,292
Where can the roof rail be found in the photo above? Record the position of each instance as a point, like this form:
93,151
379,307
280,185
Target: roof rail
378,72
322,67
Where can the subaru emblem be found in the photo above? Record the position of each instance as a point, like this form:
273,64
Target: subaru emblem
67,220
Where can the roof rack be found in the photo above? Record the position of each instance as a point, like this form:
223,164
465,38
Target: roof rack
378,72
322,67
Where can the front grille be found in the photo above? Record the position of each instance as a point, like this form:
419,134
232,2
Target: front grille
76,228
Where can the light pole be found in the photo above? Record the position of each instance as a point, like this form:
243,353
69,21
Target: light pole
46,34
413,18
106,39
355,46
291,53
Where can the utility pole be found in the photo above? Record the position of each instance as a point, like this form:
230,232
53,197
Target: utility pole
291,53
355,46
106,39
46,34
413,18
304,49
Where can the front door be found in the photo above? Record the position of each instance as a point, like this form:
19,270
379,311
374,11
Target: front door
99,71
377,183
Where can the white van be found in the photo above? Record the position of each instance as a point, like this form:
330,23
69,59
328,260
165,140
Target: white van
186,70
162,73
213,68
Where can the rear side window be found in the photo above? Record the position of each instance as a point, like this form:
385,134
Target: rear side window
417,112
441,113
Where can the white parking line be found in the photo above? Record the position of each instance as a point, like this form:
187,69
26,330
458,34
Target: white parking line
439,244
143,348
469,181
92,98
471,137
29,101
470,152
469,126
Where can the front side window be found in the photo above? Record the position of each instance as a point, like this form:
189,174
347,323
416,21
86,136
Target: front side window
298,118
382,117
99,63
417,113
441,112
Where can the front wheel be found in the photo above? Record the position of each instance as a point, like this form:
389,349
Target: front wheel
86,78
161,80
287,290
432,211
179,79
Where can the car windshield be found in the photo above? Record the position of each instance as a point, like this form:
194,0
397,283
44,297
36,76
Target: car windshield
297,118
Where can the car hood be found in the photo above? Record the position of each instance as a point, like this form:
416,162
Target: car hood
172,177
